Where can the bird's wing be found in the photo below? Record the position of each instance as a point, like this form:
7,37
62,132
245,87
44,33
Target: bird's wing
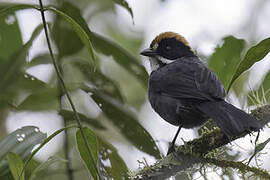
186,79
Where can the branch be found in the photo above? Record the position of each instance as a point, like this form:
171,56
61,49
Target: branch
193,152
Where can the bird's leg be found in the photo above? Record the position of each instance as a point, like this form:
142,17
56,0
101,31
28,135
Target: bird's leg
171,146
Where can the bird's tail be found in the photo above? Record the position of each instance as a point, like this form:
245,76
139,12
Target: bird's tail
231,120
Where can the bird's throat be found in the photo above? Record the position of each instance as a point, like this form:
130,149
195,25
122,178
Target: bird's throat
158,62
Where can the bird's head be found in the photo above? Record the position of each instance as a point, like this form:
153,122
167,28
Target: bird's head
166,48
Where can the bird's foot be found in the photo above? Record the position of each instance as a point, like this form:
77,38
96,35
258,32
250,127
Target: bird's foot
171,149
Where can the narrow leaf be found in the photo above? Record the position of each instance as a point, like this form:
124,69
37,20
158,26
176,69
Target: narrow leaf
126,121
93,143
10,71
17,7
111,161
254,54
43,144
110,48
69,116
45,165
15,165
10,35
78,29
124,4
21,142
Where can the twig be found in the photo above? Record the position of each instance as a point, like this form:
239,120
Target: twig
193,151
64,87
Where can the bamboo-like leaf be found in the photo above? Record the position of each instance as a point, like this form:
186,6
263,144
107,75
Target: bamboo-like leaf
126,121
78,29
69,115
44,99
124,4
66,39
12,69
93,143
117,169
21,142
17,7
253,55
43,166
110,48
15,165
102,82
10,35
43,144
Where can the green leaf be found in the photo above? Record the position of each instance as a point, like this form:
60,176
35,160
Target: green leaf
69,116
253,55
16,7
44,99
10,35
67,41
15,165
102,82
259,148
126,121
39,59
93,143
124,4
109,48
27,162
77,28
121,56
117,169
226,58
21,142
11,69
45,165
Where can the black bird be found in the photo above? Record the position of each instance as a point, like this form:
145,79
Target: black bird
186,93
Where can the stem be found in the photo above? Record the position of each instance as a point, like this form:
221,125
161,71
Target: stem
62,83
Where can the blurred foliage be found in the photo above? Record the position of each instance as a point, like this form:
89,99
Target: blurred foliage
104,65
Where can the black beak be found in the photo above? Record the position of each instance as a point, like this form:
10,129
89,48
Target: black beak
149,52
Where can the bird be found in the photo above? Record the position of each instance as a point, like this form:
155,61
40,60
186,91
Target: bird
186,93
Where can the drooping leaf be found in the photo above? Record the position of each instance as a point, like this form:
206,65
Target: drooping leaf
124,4
15,165
117,168
38,60
21,142
16,7
12,69
69,116
86,157
42,144
121,56
102,82
10,35
45,165
253,55
44,99
126,121
110,48
66,39
77,28
226,58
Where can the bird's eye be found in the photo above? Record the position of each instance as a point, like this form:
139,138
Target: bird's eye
168,47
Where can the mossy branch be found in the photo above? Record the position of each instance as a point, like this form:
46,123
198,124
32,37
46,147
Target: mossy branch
193,153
